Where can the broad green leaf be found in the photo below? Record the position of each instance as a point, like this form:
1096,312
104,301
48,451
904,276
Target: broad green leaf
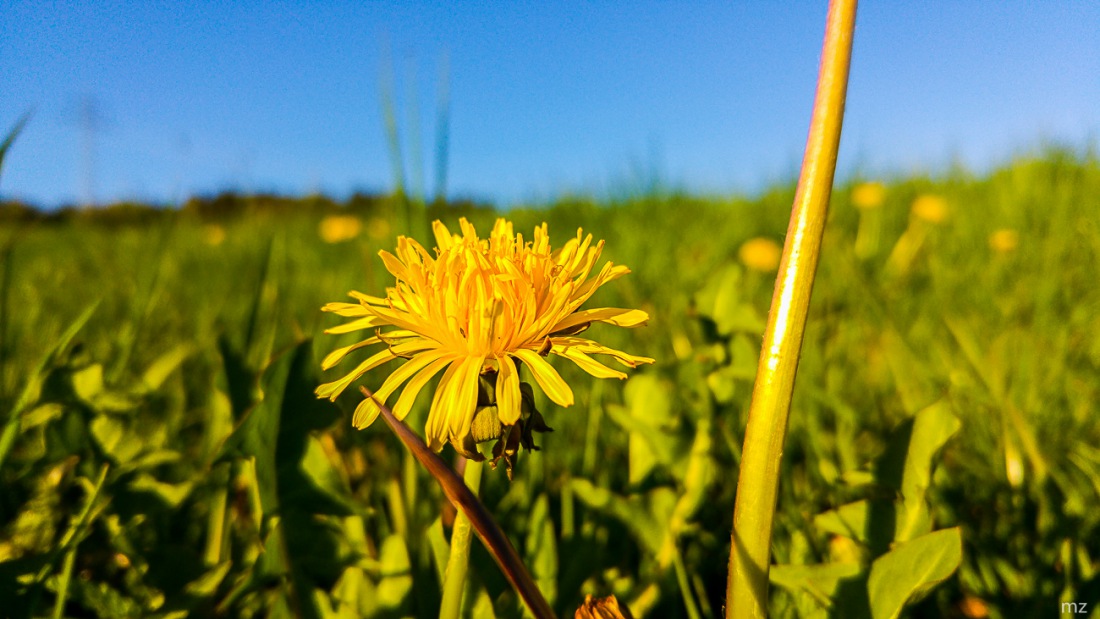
171,494
910,376
649,446
648,417
820,582
911,570
397,579
112,436
88,382
849,520
650,401
907,466
720,301
744,355
218,424
482,607
723,384
207,584
321,476
696,476
103,599
151,459
632,513
163,366
354,595
41,415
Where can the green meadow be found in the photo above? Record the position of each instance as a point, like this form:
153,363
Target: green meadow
163,455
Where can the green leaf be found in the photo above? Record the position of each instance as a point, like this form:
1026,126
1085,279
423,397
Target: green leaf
907,466
207,584
720,301
820,582
648,417
103,600
170,494
33,387
88,382
354,595
723,384
848,520
696,476
912,570
111,435
397,578
163,366
274,434
632,513
41,415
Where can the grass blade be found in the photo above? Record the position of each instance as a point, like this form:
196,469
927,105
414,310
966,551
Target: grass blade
12,135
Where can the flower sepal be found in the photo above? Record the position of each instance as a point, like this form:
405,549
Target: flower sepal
486,426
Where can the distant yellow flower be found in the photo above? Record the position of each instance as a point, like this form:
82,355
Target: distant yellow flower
868,195
1004,241
378,228
761,254
339,228
973,608
213,235
602,608
930,208
477,309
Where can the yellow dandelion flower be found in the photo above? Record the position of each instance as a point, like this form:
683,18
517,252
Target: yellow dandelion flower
1004,241
479,309
761,254
602,608
974,608
868,195
930,208
339,228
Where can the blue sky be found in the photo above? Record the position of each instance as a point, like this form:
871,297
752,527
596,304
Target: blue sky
545,98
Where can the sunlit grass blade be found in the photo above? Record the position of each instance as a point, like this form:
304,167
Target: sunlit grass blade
142,305
9,139
79,528
442,131
5,299
34,383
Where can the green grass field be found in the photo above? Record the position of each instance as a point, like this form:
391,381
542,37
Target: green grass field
163,453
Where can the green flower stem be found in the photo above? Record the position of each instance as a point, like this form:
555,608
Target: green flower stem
455,580
63,580
758,484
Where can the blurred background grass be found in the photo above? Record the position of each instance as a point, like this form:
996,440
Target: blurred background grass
168,457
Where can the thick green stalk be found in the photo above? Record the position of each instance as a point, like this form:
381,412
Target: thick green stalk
758,484
455,580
